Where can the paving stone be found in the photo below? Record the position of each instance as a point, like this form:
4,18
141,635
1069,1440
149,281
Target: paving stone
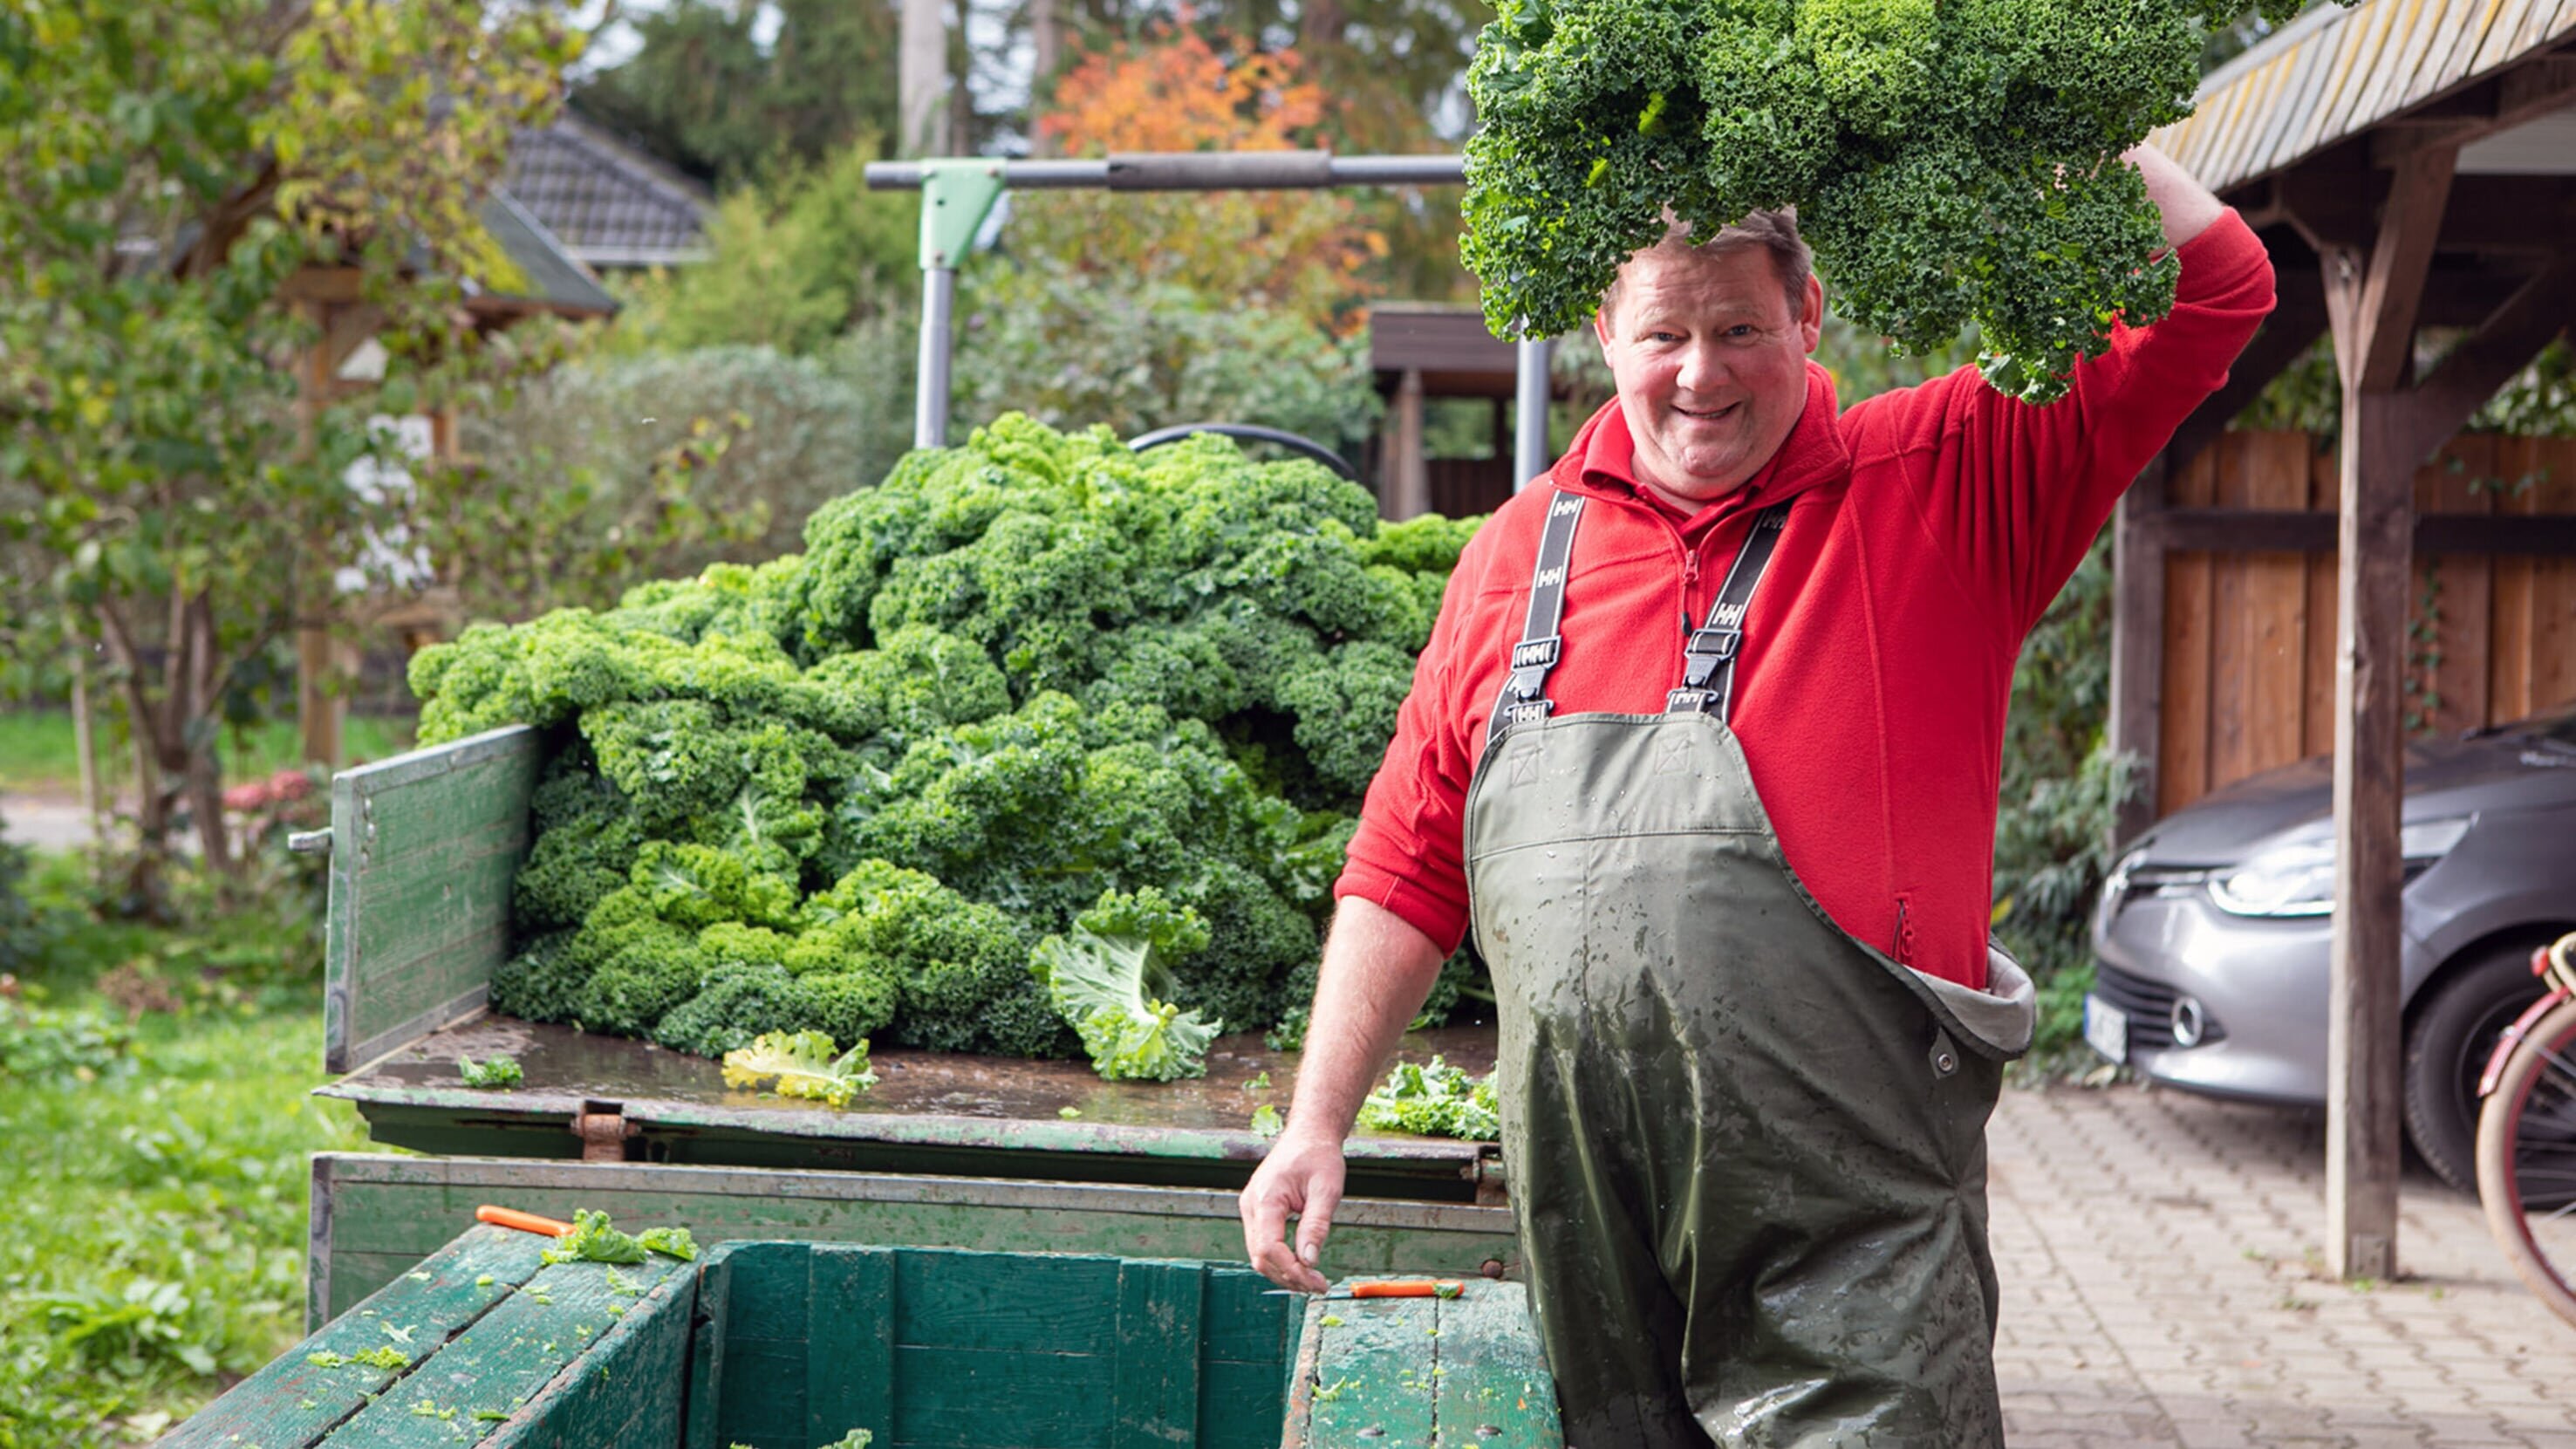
2163,1285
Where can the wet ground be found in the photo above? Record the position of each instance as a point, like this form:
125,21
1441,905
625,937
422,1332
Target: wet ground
2163,1284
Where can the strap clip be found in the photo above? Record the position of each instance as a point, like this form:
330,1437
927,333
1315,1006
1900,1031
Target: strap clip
1527,711
1691,701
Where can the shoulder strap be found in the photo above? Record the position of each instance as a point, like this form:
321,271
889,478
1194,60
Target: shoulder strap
1708,660
1524,694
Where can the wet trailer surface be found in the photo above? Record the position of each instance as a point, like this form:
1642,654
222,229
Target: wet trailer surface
947,1151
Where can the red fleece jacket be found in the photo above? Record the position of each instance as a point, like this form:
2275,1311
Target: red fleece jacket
1931,528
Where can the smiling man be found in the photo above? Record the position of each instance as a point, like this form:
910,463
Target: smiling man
1705,750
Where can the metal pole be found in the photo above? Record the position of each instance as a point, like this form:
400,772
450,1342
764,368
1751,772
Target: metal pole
1529,442
930,398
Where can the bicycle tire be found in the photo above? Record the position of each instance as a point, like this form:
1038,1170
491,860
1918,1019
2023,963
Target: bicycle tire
2526,1158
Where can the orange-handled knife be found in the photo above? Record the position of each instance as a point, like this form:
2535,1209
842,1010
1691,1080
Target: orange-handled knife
501,1217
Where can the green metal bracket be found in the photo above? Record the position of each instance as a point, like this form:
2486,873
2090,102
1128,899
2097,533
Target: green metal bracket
956,196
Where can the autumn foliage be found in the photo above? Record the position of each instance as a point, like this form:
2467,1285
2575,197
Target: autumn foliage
1299,250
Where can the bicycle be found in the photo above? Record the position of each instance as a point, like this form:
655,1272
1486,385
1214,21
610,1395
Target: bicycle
2526,1151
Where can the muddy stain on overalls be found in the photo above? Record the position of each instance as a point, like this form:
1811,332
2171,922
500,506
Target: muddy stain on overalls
1747,1150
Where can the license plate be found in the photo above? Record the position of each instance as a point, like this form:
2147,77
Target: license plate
2106,1028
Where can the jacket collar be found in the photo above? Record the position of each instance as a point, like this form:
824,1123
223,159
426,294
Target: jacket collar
1600,465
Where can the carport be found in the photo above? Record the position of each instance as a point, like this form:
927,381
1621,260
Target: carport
2411,165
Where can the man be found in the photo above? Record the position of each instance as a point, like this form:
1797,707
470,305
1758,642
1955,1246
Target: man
1705,747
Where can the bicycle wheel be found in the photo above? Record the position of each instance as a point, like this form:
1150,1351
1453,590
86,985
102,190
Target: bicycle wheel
2527,1160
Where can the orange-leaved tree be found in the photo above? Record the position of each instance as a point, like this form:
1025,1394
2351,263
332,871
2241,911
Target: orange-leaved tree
1304,251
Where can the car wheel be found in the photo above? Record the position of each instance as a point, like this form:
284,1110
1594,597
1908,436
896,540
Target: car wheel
2447,1046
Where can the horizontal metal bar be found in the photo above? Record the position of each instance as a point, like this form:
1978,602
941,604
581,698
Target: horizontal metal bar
1201,171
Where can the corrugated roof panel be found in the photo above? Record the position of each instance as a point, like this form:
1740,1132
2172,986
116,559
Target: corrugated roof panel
2335,73
2360,59
2412,75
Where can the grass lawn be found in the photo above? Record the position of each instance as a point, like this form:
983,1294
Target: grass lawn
156,1184
36,748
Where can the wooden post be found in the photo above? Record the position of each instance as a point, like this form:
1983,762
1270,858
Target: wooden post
2138,639
1404,478
2364,1043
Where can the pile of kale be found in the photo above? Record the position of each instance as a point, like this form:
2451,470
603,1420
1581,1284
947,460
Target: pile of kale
1951,162
1041,747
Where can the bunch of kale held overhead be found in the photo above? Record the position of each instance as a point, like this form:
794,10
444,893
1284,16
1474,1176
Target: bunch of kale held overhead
1041,748
1950,162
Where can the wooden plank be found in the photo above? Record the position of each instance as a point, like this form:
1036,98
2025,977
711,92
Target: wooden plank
1493,1388
995,1303
294,1401
1241,1404
2553,582
955,1398
764,1396
384,1207
2182,766
509,1361
2232,661
2276,607
706,1351
849,1346
2265,530
424,847
2509,610
1374,1374
2317,668
1243,1321
2364,1043
2138,638
629,1387
2462,585
1154,1383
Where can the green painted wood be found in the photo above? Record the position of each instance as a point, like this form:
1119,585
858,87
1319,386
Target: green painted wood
1240,1404
1304,1378
627,1389
1493,1390
1374,1373
382,1213
1001,1303
424,848
1244,1322
971,1399
706,1356
765,1351
292,1401
1154,1390
849,1347
507,1363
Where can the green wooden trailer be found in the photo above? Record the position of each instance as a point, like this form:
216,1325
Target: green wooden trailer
947,1151
792,1345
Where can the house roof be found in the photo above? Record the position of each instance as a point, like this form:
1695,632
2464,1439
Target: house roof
556,281
2334,73
609,204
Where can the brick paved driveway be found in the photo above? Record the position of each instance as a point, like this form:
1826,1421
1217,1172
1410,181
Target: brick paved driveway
2163,1285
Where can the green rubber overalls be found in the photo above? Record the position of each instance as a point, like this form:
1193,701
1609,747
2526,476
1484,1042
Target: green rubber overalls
1747,1151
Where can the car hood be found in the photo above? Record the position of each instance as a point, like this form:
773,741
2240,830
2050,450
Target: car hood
2444,777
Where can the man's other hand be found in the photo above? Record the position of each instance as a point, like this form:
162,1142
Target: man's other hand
1302,1177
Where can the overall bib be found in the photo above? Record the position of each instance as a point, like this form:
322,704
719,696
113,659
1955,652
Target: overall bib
1747,1151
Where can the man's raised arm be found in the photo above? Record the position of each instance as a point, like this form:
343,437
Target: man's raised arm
1377,970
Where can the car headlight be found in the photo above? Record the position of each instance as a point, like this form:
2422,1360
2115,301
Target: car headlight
2299,880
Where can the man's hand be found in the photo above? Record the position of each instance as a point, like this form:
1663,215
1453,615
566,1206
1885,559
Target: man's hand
1376,971
1302,1177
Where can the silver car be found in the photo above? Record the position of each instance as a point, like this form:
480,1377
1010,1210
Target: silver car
2212,936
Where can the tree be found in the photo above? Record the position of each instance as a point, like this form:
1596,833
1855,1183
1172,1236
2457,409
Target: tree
174,177
703,94
1301,250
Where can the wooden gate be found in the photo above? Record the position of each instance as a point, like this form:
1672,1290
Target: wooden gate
2248,677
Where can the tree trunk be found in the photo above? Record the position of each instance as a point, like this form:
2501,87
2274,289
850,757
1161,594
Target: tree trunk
1046,49
921,75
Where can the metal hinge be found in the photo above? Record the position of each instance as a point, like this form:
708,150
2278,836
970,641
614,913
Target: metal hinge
604,1131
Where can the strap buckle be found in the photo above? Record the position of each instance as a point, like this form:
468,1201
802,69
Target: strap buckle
1537,653
1687,700
1708,649
1527,711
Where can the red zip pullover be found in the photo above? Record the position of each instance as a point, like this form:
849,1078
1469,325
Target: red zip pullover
1931,528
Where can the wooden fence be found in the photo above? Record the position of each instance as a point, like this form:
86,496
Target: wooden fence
2248,647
